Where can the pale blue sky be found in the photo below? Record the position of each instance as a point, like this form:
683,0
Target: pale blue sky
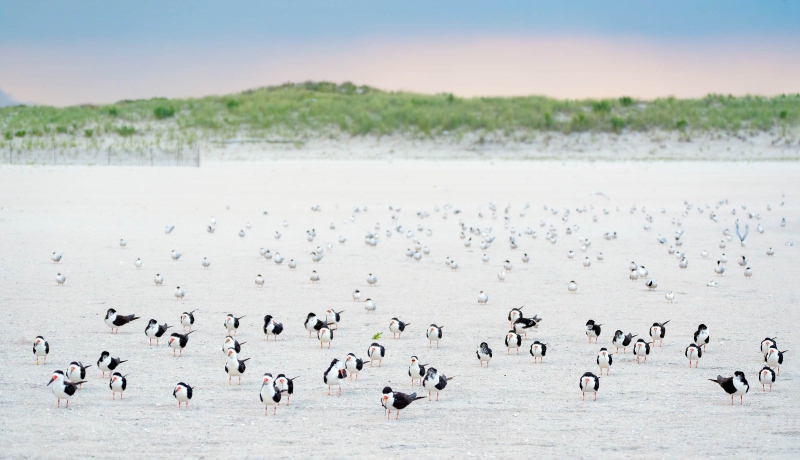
97,51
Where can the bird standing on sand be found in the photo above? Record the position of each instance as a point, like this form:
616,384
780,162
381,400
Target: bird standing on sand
60,279
395,400
641,349
179,293
187,319
314,276
369,305
593,330
178,342
657,332
232,323
354,365
572,287
434,334
701,336
138,263
206,263
513,340
416,370
334,375
774,358
117,384
231,344
40,348
62,389
376,352
734,386
356,295
175,255
235,367
76,372
484,354
333,317
159,280
272,328
604,360
107,364
259,280
372,279
56,258
154,331
538,350
435,382
115,321
766,377
182,393
397,327
325,335
589,383
122,243
483,297
285,385
621,340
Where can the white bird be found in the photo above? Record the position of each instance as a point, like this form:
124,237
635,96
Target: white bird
175,255
60,279
169,229
158,279
485,258
587,263
507,266
314,276
651,284
683,263
483,297
206,263
241,233
210,229
669,296
525,258
179,293
369,305
122,243
56,258
634,275
372,279
693,353
501,275
770,252
748,272
292,264
138,263
719,269
356,295
259,280
572,286
600,257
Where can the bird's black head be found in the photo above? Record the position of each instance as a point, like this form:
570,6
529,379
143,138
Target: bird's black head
104,355
152,322
267,318
590,322
110,312
387,390
702,327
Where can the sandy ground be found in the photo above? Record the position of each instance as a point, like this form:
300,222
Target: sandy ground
513,408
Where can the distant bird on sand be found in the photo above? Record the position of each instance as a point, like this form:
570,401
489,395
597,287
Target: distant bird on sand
589,383
735,386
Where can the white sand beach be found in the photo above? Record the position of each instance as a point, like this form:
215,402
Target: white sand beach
513,408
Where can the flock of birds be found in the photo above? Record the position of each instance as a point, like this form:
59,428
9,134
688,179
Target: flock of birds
66,384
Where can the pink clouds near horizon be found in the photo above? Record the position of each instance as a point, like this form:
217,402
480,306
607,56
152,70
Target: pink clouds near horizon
562,67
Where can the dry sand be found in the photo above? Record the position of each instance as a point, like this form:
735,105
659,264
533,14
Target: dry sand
513,408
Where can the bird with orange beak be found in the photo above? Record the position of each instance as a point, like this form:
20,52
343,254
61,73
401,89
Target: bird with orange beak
397,401
604,360
270,394
40,348
183,393
63,389
117,384
589,383
334,375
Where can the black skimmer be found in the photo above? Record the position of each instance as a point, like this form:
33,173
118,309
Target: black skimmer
232,323
416,370
701,336
270,394
235,367
592,330
232,344
621,340
187,319
154,331
117,384
272,328
376,352
325,335
538,350
513,340
183,393
115,321
178,342
62,389
313,324
285,384
657,332
107,364
641,348
40,348
434,334
766,377
766,344
522,325
333,317
589,383
693,353
484,354
354,365
76,372
434,382
515,314
395,400
397,327
334,375
736,385
774,358
604,360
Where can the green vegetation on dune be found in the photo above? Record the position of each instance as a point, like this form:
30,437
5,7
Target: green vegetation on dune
298,110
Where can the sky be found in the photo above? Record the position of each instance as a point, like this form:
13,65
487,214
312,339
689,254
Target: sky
63,53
